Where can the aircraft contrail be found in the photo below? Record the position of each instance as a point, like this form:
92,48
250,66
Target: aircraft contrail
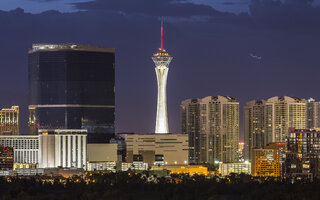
255,57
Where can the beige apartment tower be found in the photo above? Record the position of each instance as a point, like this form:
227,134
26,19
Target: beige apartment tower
268,121
217,118
9,121
284,113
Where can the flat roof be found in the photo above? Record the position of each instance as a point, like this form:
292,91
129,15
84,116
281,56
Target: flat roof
18,136
69,47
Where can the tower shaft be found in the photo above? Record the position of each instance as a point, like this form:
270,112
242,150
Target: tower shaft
162,115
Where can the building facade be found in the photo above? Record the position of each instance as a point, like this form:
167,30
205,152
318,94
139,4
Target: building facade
226,169
176,169
284,113
9,121
103,157
254,127
72,87
32,126
267,162
303,153
25,148
219,118
213,125
190,115
63,148
312,114
6,158
268,121
241,152
157,149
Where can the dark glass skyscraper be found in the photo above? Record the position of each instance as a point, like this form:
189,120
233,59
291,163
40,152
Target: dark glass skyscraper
72,87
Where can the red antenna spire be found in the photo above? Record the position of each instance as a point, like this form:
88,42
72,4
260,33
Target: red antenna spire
161,34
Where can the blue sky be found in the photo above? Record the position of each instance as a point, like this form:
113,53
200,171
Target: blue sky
37,6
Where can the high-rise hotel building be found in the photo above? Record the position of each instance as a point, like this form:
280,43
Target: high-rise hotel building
269,121
312,114
72,87
190,115
9,121
213,127
254,126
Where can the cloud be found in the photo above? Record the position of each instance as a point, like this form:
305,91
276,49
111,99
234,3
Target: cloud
169,8
44,1
233,3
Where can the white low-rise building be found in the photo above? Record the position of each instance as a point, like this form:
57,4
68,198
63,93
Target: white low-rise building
25,148
66,148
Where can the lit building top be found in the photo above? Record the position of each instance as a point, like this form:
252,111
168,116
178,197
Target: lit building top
161,53
277,99
226,99
9,121
62,131
68,46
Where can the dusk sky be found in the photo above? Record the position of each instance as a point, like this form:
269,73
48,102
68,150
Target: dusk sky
211,42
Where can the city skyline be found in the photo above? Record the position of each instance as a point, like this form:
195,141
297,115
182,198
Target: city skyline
202,45
84,115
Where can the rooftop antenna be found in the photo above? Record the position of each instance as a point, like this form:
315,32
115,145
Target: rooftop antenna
161,34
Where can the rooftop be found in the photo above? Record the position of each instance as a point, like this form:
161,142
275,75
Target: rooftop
68,46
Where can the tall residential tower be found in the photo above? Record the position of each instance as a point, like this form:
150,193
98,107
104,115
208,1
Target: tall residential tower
162,60
312,114
212,124
190,115
268,121
254,126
